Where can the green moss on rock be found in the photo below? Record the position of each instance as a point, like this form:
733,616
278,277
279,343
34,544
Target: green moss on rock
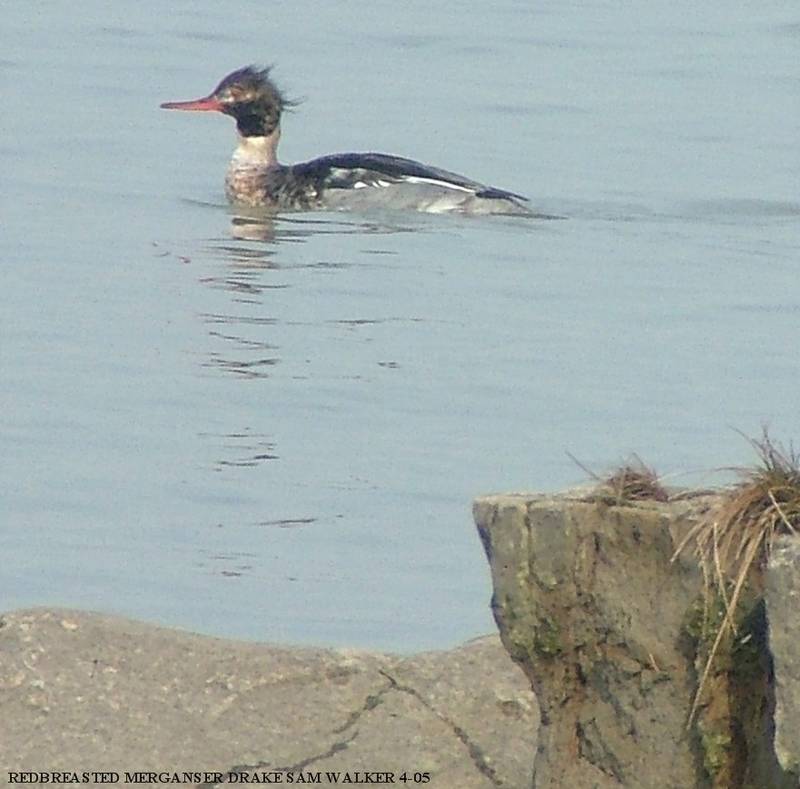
716,750
547,638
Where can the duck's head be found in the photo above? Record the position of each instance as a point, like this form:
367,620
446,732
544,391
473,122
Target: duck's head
249,96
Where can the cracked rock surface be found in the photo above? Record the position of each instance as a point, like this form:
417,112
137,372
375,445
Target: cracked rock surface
588,602
87,692
607,622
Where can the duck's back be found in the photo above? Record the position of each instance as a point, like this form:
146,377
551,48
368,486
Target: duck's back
377,180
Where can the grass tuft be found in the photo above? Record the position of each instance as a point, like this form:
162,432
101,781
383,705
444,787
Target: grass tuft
733,541
634,480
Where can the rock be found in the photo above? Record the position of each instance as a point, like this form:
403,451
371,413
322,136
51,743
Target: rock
611,634
87,692
783,613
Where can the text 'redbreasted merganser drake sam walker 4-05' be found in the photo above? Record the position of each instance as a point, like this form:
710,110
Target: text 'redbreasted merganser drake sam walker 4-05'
340,181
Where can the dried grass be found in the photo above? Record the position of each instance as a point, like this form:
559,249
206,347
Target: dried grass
634,480
734,540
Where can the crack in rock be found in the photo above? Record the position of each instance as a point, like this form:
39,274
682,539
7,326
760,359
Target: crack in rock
339,745
372,701
475,752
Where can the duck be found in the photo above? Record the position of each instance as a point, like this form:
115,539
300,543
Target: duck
339,181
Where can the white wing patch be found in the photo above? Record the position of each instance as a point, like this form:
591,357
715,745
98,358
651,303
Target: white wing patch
376,182
373,180
414,179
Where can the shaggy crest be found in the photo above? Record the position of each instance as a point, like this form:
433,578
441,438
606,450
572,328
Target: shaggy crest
252,83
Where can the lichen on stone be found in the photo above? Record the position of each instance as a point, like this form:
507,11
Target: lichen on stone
547,638
717,746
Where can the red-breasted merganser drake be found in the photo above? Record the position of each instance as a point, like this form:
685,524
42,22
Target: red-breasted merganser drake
340,181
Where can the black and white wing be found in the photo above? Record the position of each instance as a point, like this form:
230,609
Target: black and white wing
377,179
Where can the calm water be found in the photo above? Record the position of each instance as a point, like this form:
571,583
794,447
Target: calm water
275,431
